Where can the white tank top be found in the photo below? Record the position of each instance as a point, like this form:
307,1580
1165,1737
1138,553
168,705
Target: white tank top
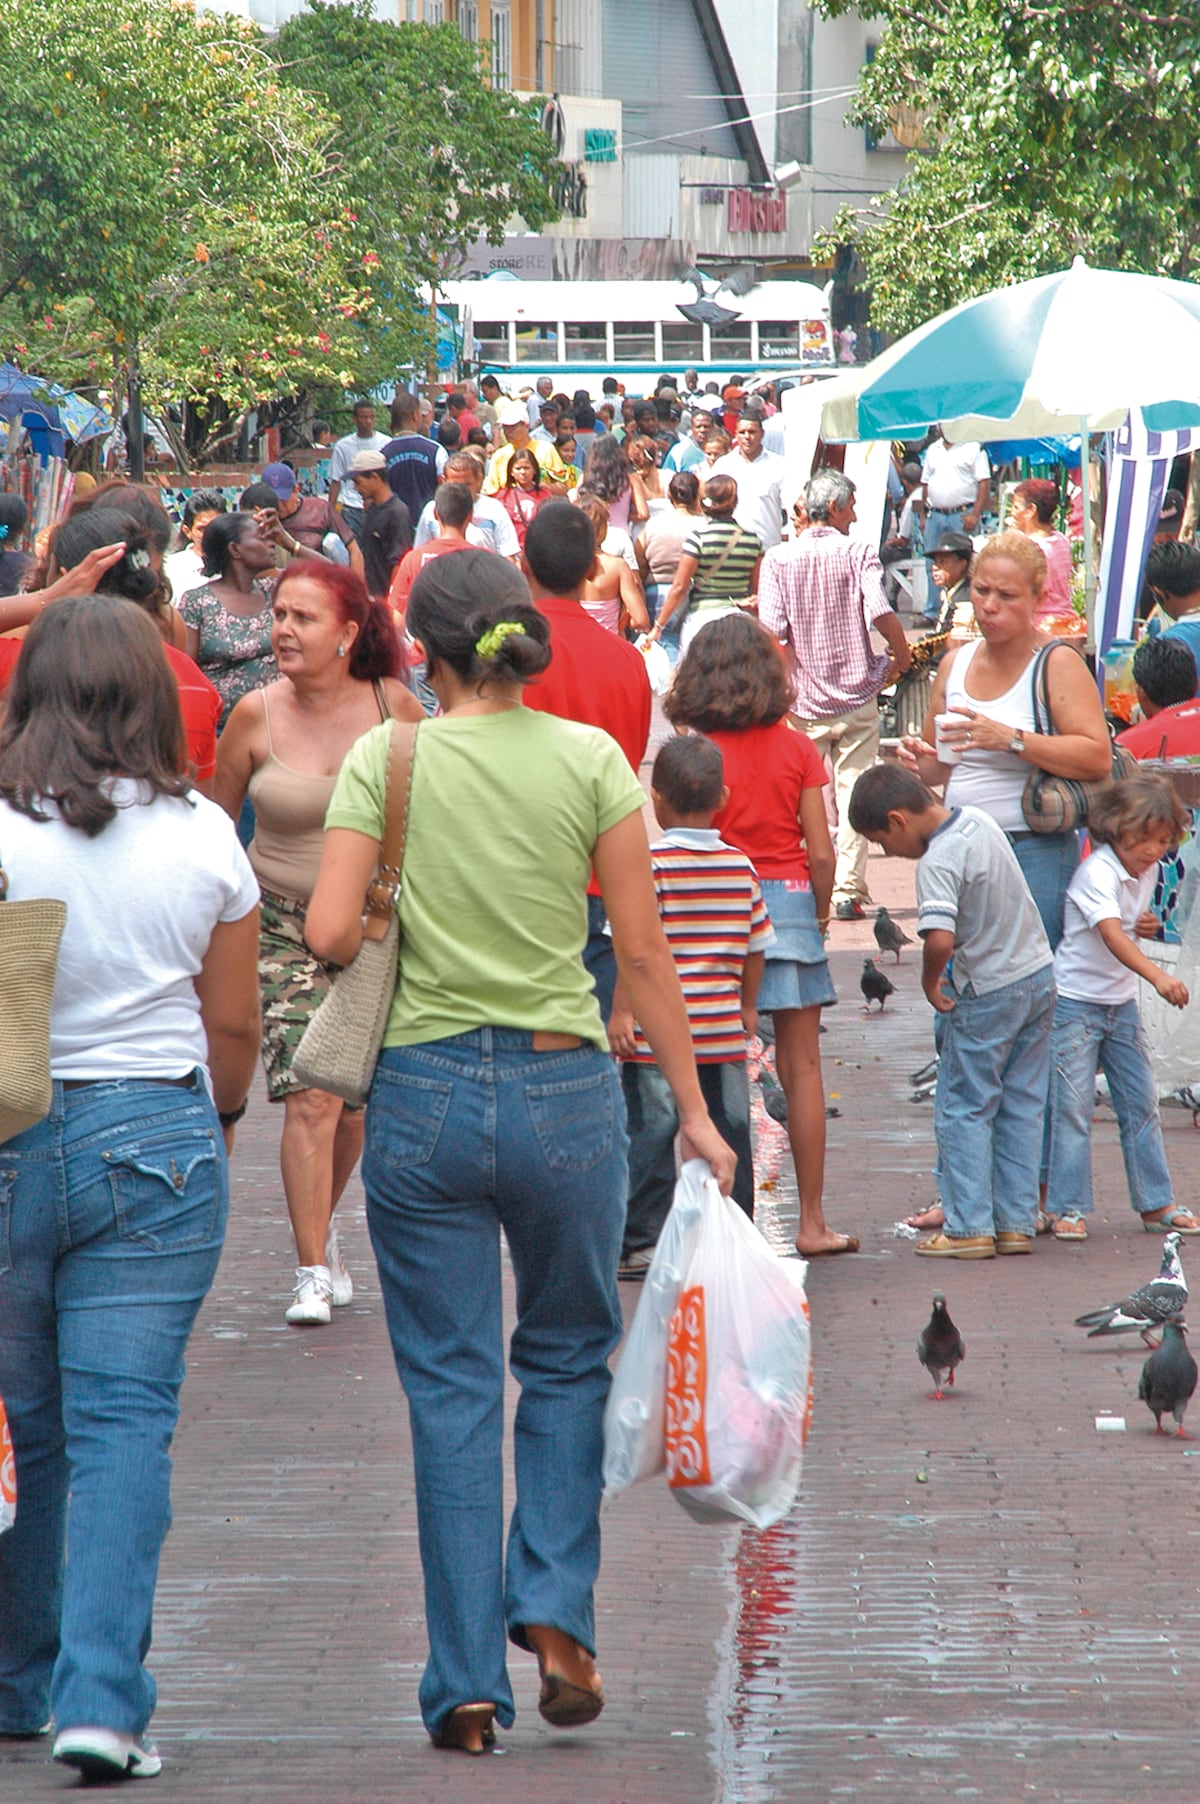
993,781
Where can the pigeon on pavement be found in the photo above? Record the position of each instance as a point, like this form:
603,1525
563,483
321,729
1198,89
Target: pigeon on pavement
940,1347
1147,1308
889,937
874,985
1169,1378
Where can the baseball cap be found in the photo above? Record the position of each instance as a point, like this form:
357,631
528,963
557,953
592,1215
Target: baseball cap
954,544
734,393
512,413
362,461
281,478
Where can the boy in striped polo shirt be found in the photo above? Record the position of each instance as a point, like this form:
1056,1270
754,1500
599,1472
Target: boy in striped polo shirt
717,928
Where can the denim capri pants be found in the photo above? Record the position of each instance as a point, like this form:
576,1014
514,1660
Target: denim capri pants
796,971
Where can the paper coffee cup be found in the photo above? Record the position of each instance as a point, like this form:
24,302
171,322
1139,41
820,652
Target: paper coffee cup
948,752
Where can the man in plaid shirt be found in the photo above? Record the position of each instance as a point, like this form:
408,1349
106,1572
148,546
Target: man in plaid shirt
820,594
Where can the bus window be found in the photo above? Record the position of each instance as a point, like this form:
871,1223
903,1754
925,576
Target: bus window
779,341
493,340
537,344
587,342
633,343
731,343
682,342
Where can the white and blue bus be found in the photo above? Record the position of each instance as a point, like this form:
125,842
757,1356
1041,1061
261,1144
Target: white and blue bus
579,332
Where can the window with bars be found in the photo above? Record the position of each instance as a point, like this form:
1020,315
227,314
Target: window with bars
587,342
537,343
493,340
682,341
779,341
633,342
731,344
501,44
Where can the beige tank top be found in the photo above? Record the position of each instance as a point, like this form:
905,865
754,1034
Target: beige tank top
289,819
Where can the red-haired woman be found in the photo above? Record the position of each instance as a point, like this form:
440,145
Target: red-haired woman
1034,506
338,659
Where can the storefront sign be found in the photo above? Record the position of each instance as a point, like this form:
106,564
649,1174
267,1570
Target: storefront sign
599,145
750,211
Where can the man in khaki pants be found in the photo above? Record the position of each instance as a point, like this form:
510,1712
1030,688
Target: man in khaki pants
820,595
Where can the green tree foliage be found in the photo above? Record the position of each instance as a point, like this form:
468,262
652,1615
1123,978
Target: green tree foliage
177,180
431,156
1047,128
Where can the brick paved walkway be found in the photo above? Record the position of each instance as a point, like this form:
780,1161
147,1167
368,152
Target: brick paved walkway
1023,1624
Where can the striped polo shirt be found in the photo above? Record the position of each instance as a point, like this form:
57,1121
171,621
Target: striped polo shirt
725,555
713,916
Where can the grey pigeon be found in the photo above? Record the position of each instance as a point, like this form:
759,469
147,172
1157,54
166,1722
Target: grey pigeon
1169,1378
874,985
889,937
940,1347
1147,1308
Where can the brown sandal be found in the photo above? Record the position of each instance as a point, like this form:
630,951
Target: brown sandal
468,1729
571,1690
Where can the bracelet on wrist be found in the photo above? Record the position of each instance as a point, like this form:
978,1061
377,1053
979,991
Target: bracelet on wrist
230,1117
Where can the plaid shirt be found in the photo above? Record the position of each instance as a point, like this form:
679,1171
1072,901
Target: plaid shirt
819,594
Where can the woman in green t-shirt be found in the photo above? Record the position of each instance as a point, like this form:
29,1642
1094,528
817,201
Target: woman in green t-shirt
496,1106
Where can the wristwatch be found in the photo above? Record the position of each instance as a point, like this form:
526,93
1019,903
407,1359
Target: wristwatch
1017,743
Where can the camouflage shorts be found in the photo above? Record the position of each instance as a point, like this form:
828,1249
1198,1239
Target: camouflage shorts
293,985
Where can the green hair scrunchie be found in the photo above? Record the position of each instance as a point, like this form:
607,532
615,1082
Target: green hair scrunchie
489,643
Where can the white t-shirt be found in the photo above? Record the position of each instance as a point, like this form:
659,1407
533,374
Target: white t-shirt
1101,890
184,570
489,527
952,474
617,543
142,900
339,465
759,481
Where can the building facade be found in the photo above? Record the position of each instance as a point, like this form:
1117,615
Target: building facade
687,131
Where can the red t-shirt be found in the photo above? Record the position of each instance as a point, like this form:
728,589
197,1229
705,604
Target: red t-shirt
594,678
411,564
200,706
10,651
199,703
766,771
1171,733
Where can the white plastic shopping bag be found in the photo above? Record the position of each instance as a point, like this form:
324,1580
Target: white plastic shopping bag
658,663
739,1394
8,1475
635,1419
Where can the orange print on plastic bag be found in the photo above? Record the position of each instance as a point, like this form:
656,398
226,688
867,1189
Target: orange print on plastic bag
8,1475
687,1384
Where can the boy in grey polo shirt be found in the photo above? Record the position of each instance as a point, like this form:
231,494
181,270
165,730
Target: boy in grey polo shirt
973,905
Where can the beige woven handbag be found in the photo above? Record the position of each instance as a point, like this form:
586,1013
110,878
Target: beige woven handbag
30,934
340,1045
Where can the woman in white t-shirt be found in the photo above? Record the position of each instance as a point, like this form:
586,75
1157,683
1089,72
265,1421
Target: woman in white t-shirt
113,1206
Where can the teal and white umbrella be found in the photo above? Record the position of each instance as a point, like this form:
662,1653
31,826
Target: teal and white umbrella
1065,353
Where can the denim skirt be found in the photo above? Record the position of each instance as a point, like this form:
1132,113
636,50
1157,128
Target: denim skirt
796,971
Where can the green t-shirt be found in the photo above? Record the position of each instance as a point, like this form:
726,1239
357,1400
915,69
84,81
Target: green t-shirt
505,811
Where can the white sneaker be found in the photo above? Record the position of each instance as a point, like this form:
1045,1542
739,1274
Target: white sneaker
314,1291
343,1283
104,1754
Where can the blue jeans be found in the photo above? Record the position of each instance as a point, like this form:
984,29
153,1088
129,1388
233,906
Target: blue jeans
600,961
112,1214
653,1125
1087,1036
465,1137
1048,862
656,595
990,1105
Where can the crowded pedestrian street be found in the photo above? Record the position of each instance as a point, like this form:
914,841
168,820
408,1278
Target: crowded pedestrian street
987,1598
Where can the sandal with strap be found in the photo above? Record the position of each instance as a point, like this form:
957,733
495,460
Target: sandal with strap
1175,1220
1070,1227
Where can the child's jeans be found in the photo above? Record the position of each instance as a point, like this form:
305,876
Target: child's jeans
1087,1035
990,1105
653,1123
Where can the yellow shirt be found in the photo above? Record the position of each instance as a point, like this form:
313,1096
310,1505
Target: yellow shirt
549,462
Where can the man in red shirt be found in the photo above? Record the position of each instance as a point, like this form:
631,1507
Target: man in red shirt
594,676
1164,674
452,505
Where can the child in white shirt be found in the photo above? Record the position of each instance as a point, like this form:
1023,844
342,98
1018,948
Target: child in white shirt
1097,1023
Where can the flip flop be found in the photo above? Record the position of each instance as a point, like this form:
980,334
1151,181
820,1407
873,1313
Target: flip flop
919,1219
849,1244
1171,1222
